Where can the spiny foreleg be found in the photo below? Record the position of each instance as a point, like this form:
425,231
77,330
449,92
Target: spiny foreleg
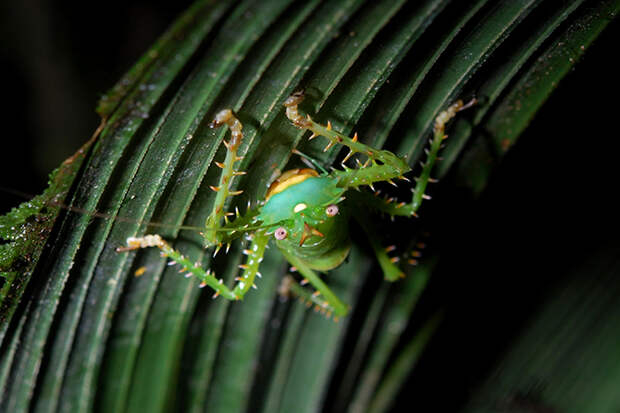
188,267
382,165
255,254
239,225
244,282
218,214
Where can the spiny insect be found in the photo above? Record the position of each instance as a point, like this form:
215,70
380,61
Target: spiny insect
304,211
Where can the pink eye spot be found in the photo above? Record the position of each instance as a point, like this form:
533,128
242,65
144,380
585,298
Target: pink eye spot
332,210
280,233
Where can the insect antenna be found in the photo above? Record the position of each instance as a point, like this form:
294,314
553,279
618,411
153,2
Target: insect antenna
309,161
96,214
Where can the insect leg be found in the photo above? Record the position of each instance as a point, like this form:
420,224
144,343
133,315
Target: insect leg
329,300
310,161
250,269
214,220
432,155
388,205
291,288
383,165
391,271
187,266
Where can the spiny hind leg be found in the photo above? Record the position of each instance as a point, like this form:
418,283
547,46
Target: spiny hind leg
389,265
323,296
388,205
289,287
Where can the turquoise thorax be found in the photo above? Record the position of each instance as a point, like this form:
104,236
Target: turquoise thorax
314,192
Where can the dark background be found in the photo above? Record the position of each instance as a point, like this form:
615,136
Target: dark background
56,59
549,208
551,204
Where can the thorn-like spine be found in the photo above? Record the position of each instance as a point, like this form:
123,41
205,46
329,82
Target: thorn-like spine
390,248
346,158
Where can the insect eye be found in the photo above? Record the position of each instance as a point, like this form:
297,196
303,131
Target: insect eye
332,210
280,233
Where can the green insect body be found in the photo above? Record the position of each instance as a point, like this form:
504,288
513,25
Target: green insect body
305,212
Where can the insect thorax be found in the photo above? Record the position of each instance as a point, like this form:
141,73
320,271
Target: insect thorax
304,203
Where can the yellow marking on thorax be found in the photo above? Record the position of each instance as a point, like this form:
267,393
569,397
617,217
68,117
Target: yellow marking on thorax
289,178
